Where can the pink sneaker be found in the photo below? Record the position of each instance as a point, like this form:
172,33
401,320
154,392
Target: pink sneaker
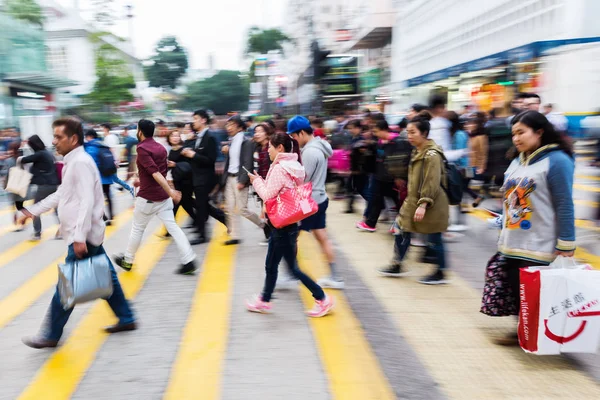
258,306
362,225
322,307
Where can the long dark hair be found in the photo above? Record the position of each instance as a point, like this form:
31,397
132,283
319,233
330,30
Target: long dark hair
36,143
455,124
538,121
289,144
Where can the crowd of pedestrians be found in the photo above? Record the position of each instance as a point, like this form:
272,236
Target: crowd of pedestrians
410,171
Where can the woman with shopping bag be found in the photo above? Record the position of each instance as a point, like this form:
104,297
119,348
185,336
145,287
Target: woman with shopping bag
286,199
538,213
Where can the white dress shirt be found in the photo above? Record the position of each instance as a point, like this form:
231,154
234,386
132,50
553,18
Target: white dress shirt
199,137
235,150
79,199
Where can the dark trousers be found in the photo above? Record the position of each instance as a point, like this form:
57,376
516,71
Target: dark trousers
380,191
486,185
435,245
283,243
513,267
187,202
204,209
106,190
360,184
57,316
42,192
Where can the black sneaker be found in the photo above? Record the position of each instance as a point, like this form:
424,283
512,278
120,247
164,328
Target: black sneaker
394,270
437,278
120,261
187,269
427,259
232,242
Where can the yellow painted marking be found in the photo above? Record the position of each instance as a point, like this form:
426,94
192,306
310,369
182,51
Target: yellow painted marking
12,209
197,371
588,177
587,203
25,295
17,251
347,357
586,188
585,151
586,158
63,371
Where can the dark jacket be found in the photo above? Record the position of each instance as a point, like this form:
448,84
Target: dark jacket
203,163
246,160
43,168
362,156
393,159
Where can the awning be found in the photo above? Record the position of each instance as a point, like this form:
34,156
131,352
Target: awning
42,79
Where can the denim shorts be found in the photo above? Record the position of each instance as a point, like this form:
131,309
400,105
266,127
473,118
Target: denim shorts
315,221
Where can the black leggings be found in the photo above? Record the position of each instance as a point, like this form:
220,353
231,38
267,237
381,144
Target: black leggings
19,205
106,190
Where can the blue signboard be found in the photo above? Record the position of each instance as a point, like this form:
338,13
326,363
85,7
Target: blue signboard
518,54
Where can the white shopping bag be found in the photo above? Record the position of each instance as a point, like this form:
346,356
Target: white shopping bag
560,310
18,181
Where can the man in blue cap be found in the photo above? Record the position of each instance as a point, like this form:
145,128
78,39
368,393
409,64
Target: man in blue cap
315,153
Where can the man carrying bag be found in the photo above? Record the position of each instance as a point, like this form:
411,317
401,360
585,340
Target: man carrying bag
80,203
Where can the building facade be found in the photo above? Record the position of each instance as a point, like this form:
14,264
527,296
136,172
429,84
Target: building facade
482,52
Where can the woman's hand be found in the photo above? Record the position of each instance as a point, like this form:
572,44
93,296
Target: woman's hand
252,177
171,164
420,213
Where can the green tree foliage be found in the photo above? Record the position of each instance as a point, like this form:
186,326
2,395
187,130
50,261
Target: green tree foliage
114,78
261,41
222,93
168,64
26,10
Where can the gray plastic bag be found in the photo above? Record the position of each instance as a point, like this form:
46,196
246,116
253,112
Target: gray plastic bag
84,280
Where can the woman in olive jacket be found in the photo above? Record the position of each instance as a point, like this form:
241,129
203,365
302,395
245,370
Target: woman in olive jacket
425,209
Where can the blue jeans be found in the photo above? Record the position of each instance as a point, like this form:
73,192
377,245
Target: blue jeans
435,243
57,316
283,243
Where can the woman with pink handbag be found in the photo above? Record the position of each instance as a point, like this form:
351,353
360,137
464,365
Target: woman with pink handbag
287,200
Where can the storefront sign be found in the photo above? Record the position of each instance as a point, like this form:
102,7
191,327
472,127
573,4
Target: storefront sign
518,54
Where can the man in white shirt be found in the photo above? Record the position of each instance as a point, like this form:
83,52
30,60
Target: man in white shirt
80,204
112,141
440,126
240,155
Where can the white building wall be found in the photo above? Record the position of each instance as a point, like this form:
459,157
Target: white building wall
430,35
80,59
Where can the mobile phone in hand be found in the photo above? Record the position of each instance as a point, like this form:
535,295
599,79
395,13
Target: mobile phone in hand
249,173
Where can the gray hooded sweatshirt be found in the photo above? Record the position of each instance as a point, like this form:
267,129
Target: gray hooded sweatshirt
314,158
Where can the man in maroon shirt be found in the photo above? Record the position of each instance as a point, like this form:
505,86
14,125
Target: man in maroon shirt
155,197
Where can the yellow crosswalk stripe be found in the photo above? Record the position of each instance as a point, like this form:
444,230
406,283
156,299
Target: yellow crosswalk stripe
25,295
587,203
12,209
65,368
587,177
197,371
22,248
351,365
586,188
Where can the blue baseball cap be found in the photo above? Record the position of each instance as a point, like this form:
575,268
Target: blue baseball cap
297,123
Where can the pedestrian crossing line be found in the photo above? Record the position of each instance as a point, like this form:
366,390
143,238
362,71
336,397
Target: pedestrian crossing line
197,370
12,209
351,366
586,188
17,251
20,299
588,177
64,369
587,203
585,158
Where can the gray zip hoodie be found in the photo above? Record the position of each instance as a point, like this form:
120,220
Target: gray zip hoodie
314,158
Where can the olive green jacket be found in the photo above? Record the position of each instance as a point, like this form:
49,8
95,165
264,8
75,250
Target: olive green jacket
426,173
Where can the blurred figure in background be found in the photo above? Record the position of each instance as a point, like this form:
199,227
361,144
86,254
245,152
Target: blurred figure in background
440,126
317,125
478,143
532,102
459,156
45,177
362,166
560,122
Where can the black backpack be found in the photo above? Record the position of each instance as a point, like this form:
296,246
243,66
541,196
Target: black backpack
106,161
454,188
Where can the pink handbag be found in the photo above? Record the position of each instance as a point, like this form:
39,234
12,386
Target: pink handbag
291,206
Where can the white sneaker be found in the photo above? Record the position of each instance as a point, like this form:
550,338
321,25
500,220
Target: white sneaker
331,283
286,283
495,223
457,228
264,242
